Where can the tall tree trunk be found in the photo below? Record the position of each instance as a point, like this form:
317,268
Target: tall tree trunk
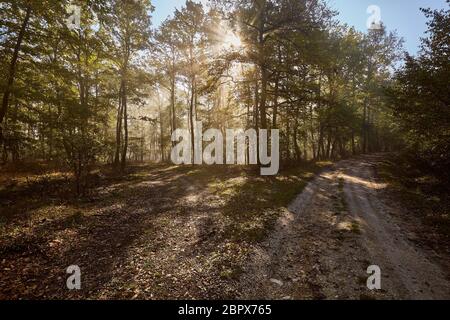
119,129
15,143
369,128
320,144
12,71
275,103
277,88
262,104
297,150
353,143
172,101
256,116
256,107
161,132
191,118
248,121
262,63
329,142
288,140
364,128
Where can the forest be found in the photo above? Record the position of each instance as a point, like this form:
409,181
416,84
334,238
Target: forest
92,93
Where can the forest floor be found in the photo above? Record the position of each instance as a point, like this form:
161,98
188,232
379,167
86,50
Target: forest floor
167,232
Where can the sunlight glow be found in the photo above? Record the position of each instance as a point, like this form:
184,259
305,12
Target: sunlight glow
232,41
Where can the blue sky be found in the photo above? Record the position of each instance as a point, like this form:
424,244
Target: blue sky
401,15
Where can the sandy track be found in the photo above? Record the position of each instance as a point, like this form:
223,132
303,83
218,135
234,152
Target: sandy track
332,232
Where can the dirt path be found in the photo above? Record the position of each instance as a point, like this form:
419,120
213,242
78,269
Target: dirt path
340,225
176,233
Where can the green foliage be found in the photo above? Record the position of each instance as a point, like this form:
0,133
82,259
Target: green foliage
420,95
115,89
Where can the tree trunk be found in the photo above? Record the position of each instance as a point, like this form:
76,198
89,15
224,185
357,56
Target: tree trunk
262,65
119,129
277,87
298,154
125,126
262,105
328,152
275,103
288,140
191,117
12,71
256,116
161,128
172,103
353,143
364,129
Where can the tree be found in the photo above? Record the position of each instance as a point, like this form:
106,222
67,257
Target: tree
12,69
166,59
129,25
420,95
190,24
